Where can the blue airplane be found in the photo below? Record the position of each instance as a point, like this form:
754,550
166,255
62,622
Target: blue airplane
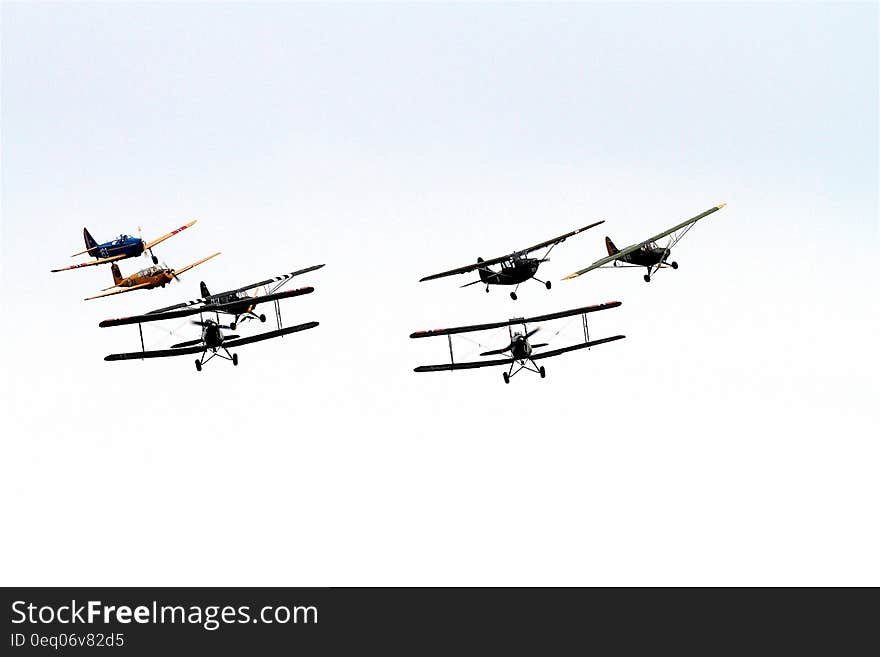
124,246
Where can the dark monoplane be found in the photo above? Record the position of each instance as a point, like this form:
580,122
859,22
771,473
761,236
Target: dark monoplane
519,352
516,267
647,254
238,302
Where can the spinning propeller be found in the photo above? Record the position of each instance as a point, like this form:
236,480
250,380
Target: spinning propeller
513,340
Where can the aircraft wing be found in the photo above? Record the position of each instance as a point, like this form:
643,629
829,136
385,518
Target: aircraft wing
99,261
150,245
561,238
186,312
203,300
637,246
177,272
465,269
161,353
463,366
519,320
268,335
580,345
121,290
166,353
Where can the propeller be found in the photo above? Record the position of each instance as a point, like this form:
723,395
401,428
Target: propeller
171,271
509,347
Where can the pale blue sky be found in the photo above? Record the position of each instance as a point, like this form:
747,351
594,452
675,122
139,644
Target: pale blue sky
728,440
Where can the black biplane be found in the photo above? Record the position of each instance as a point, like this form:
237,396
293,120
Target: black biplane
519,352
212,341
648,253
516,268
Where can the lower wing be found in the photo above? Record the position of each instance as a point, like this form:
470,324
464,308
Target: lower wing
99,261
463,366
178,272
119,291
582,345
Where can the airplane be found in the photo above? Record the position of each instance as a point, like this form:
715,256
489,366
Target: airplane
145,279
124,246
238,302
212,341
519,352
516,267
647,254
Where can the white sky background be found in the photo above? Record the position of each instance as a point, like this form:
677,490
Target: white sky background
730,439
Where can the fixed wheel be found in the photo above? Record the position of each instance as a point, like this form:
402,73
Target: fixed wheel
513,295
487,290
542,372
235,359
506,377
262,318
198,366
155,260
547,285
647,278
674,265
232,326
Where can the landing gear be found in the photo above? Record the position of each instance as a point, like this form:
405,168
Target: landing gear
506,377
263,318
487,289
235,359
198,366
674,264
547,285
513,295
542,372
231,326
647,278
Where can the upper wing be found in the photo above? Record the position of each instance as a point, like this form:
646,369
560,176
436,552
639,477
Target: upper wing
174,232
636,247
119,291
177,272
157,316
462,366
276,279
161,353
581,345
270,334
518,320
99,261
561,238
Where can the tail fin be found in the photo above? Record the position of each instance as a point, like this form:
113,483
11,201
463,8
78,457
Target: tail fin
204,289
117,275
610,246
91,244
484,272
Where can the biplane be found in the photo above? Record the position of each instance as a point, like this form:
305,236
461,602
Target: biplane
212,341
647,254
516,268
124,246
238,302
519,353
145,279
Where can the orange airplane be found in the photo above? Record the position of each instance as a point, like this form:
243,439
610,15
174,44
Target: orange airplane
145,279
